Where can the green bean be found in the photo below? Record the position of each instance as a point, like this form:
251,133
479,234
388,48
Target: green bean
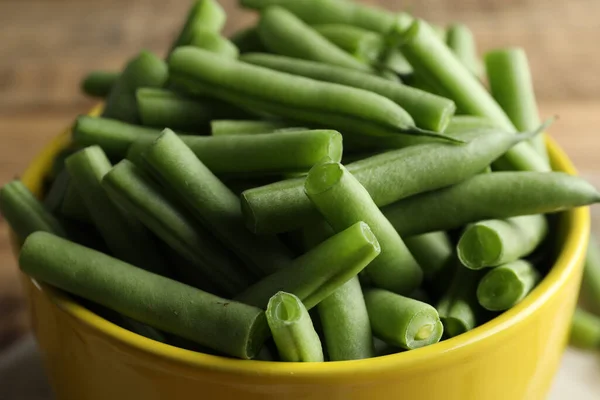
346,325
343,314
293,330
401,321
433,59
464,123
55,195
125,237
247,40
24,212
512,87
233,328
486,196
395,61
239,127
332,12
461,41
428,111
458,308
282,206
134,191
343,201
144,70
214,42
73,206
163,108
433,251
344,254
212,203
203,15
230,155
99,83
591,274
305,100
495,242
284,33
364,45
506,285
585,330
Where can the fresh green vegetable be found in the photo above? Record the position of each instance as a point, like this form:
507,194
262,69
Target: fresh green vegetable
433,251
233,328
212,41
343,201
458,308
344,255
212,203
484,196
99,83
233,127
585,330
464,123
506,285
461,41
162,108
73,206
293,330
134,191
144,70
204,15
495,242
428,110
247,40
401,321
364,45
124,235
24,212
512,87
388,177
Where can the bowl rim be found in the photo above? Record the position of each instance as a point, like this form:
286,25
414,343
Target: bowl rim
569,259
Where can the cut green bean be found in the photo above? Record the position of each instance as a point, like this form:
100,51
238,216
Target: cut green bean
353,110
344,254
433,251
591,274
396,62
512,87
433,59
124,235
585,330
346,324
458,308
484,196
241,155
233,328
284,33
495,242
401,321
133,190
214,42
364,45
332,12
282,206
461,41
24,212
505,286
343,201
163,108
99,83
247,40
428,110
203,15
293,330
212,203
145,70
233,127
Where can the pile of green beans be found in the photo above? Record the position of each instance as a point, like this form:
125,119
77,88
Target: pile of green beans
333,183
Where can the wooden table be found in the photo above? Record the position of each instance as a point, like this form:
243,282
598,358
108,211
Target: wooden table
47,46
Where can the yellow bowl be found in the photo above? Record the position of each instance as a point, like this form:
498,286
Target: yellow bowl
513,357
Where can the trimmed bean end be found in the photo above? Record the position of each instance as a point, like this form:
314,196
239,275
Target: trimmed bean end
323,176
499,290
479,247
425,329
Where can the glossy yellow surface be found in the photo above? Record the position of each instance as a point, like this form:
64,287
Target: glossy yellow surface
513,357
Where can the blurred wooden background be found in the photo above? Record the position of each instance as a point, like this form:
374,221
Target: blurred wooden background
46,46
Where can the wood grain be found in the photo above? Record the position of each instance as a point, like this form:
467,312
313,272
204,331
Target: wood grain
46,46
